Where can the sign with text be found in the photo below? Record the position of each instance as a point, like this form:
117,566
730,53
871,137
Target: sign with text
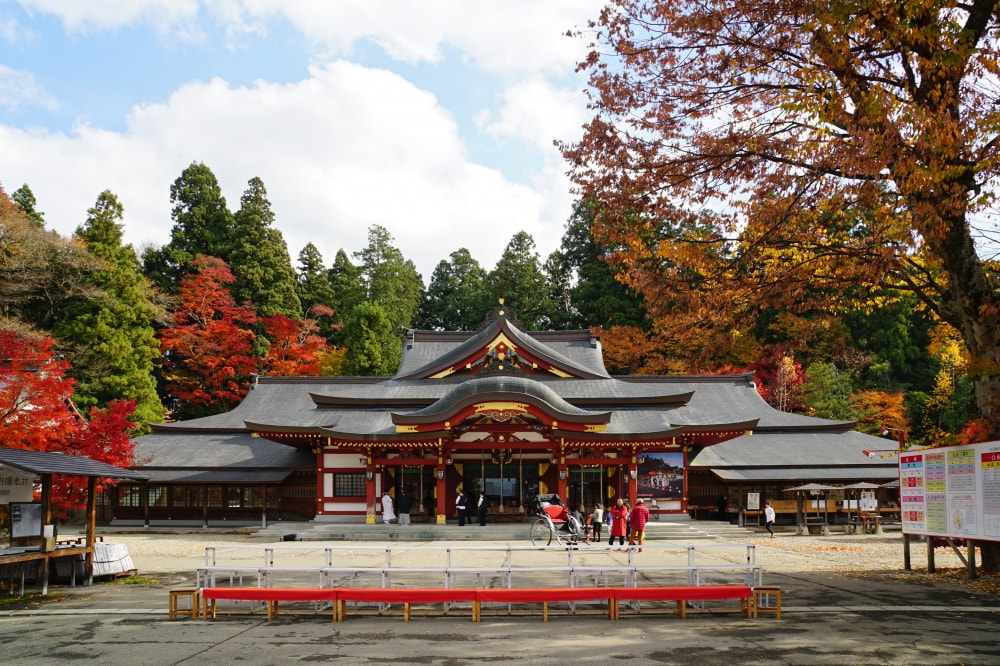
952,491
14,487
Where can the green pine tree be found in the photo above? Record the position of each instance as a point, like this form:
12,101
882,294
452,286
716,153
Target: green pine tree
373,344
203,225
25,200
110,333
259,258
518,278
457,299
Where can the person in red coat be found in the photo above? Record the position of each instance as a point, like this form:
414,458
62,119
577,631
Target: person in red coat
618,516
640,516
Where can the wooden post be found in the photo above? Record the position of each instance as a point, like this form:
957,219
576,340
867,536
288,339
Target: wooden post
971,544
88,567
43,564
906,553
204,506
145,504
930,554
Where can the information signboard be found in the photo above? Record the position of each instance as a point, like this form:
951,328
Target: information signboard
951,491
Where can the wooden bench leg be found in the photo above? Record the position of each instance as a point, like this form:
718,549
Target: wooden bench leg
476,610
545,611
406,611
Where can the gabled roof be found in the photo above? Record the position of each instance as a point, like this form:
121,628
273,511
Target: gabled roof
500,326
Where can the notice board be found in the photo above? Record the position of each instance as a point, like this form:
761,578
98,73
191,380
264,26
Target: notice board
951,491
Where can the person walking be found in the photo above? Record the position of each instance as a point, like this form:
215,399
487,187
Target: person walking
769,518
483,506
639,518
596,521
388,515
404,505
460,502
619,517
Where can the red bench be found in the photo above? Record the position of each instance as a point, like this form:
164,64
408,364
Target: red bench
406,596
269,595
685,593
544,595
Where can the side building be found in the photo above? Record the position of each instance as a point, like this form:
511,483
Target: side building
500,411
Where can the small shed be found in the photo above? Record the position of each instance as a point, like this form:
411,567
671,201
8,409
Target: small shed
46,464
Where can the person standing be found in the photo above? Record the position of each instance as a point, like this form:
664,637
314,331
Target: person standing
769,518
639,518
596,521
429,506
388,515
722,506
482,506
619,516
460,501
404,505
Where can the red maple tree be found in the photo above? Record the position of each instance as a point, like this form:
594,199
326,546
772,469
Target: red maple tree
208,352
37,414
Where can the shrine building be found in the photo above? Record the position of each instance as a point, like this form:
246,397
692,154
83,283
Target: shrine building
500,410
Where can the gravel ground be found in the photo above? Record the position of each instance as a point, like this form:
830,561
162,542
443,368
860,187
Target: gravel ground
849,554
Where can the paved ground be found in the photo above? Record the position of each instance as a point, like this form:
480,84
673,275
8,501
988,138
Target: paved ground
846,601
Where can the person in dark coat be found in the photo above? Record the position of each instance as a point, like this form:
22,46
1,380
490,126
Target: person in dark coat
482,506
461,501
723,507
429,507
404,503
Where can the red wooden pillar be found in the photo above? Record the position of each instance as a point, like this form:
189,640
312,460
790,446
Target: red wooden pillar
370,497
440,510
633,486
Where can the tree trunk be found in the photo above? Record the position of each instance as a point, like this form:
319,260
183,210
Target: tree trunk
989,554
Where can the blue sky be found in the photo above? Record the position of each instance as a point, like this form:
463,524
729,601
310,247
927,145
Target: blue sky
434,119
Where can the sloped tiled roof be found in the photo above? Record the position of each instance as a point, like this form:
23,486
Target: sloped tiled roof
54,462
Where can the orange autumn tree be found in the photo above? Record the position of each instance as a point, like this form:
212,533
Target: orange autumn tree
209,350
296,348
752,156
800,156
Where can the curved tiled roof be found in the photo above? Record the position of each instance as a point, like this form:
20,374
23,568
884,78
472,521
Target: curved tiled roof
498,387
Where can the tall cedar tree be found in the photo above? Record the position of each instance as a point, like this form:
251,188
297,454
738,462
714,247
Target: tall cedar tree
518,278
842,149
208,351
456,298
592,293
113,344
259,258
389,279
372,342
837,149
314,286
348,292
37,413
25,200
203,225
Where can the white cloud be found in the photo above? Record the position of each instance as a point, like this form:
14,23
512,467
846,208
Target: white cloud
536,112
174,17
341,150
510,37
19,89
